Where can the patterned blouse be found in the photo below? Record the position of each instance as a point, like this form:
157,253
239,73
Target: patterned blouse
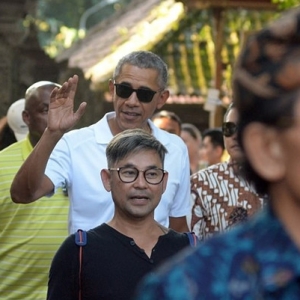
220,199
256,260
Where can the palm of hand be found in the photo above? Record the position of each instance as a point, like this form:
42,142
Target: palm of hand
61,114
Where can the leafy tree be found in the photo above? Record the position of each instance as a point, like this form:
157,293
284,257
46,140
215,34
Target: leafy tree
58,20
286,4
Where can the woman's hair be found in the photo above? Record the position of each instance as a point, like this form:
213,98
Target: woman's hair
277,113
266,81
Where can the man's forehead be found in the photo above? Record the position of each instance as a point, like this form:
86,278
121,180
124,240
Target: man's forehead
207,140
133,73
134,157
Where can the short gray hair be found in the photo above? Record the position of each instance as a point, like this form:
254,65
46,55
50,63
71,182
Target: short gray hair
145,60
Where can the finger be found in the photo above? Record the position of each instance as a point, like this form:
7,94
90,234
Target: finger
80,111
73,81
53,94
58,93
68,89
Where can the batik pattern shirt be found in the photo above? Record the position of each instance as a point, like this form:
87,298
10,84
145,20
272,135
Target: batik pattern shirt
255,260
221,199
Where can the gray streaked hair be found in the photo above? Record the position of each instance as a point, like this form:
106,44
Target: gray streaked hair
145,60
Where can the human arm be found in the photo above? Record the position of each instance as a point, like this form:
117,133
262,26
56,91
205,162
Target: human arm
30,183
178,224
63,275
198,209
181,202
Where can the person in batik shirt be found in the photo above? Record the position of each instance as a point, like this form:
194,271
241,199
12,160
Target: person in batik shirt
221,197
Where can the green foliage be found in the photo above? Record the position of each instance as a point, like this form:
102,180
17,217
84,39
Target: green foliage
193,37
189,49
286,4
58,20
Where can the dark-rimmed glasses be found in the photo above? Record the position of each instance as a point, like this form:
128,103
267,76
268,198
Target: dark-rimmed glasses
125,91
229,129
130,174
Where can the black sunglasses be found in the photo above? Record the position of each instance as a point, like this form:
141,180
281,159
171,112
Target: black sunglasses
124,91
229,129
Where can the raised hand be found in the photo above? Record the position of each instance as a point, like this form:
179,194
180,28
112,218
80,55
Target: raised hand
61,115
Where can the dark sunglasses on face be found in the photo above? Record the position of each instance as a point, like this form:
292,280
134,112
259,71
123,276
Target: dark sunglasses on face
229,129
125,91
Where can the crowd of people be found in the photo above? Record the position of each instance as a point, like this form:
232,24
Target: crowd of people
110,211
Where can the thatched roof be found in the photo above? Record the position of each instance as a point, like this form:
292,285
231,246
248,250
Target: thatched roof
140,26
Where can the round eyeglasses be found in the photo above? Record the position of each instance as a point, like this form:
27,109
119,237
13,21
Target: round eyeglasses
229,129
130,174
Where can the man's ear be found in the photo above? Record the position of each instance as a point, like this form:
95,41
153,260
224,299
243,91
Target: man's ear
264,152
26,117
163,97
111,87
165,181
105,177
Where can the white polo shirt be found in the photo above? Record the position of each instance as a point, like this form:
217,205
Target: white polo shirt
78,159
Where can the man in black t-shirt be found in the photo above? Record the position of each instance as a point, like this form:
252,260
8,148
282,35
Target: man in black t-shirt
119,253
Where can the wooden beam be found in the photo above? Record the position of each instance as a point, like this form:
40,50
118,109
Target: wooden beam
219,7
216,116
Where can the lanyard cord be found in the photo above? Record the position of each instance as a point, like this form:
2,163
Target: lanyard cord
80,240
80,264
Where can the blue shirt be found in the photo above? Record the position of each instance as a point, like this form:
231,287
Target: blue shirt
256,260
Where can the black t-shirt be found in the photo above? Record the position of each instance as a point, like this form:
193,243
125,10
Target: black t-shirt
112,264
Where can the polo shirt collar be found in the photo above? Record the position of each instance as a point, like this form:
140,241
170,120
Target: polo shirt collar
26,147
102,130
104,135
161,135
